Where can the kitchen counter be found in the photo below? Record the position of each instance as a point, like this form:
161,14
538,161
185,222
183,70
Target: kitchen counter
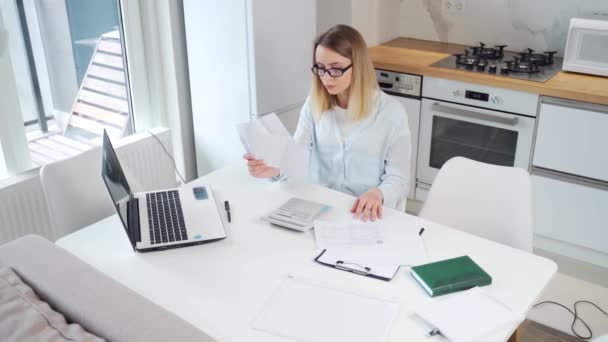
415,56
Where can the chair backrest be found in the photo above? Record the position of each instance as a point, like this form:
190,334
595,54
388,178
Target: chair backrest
75,193
494,202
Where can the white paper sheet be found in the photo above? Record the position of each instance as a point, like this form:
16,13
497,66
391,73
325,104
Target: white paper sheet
468,316
401,243
273,125
267,138
305,311
296,162
347,232
262,143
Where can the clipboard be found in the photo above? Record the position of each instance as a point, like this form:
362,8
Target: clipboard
381,272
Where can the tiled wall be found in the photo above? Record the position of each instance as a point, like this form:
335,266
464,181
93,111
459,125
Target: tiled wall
539,24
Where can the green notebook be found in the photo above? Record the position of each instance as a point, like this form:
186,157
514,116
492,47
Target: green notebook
447,276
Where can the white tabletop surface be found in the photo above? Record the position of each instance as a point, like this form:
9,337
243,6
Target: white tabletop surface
220,286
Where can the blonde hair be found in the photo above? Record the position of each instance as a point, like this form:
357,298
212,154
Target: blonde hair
347,42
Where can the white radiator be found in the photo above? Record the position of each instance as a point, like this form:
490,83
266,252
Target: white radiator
23,208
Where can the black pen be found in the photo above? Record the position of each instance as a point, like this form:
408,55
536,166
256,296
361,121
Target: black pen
421,231
434,331
227,207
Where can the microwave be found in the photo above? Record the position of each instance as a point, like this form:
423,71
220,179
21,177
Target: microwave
587,45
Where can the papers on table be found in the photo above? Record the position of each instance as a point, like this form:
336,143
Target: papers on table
468,316
393,240
267,138
305,311
347,232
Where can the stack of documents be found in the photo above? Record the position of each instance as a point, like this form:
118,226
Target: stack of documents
468,316
376,249
267,138
304,311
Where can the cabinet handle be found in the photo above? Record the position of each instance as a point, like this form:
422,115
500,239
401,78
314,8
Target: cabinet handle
568,177
438,107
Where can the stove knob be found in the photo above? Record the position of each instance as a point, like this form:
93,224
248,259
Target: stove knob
456,93
492,68
480,67
496,100
504,70
468,66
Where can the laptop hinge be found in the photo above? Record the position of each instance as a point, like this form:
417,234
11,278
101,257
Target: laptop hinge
133,224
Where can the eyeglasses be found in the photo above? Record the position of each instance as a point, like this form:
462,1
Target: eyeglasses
333,72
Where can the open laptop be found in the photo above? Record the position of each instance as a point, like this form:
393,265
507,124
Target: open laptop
163,219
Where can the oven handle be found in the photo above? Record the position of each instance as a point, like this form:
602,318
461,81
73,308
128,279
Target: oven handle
474,115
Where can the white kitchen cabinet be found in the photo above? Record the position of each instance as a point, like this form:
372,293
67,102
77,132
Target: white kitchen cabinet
571,213
572,138
569,167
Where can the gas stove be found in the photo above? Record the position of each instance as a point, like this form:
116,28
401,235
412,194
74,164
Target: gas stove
527,65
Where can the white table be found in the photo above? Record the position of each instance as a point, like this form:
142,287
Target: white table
219,287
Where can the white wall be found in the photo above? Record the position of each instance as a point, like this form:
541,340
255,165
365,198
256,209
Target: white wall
540,24
376,20
333,12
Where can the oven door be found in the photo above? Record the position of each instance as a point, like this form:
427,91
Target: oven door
448,130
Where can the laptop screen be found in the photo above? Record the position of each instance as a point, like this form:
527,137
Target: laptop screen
115,179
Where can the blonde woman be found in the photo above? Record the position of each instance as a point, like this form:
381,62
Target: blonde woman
358,136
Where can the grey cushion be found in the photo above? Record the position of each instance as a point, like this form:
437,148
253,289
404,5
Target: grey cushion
24,317
84,295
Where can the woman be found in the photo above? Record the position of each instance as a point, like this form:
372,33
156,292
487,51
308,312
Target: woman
358,136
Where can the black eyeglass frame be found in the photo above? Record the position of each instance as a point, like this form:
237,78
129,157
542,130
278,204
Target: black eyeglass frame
329,71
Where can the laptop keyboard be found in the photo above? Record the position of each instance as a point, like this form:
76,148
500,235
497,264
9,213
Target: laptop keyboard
165,217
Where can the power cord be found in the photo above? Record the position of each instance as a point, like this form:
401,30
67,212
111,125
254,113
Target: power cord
576,316
168,155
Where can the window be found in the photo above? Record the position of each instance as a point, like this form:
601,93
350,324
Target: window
65,67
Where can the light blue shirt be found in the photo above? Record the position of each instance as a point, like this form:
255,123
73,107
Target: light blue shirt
374,153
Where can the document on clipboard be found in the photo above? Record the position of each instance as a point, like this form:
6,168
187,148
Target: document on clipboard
338,259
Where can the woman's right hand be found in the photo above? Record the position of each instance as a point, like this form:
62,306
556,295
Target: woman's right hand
257,167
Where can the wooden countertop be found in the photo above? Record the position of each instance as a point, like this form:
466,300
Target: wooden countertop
415,56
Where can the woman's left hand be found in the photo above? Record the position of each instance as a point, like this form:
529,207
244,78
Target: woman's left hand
369,205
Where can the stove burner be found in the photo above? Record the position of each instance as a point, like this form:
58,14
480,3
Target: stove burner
517,64
466,59
539,59
488,53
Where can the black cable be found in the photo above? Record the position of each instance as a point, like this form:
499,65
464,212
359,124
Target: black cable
576,316
168,155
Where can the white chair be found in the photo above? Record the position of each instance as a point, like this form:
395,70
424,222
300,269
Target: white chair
75,193
490,201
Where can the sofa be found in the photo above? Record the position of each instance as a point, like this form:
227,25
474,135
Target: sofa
95,307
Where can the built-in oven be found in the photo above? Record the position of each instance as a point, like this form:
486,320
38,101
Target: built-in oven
483,123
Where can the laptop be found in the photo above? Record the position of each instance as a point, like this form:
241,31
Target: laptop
170,218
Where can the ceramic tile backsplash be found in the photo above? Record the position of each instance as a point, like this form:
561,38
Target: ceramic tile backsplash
539,24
